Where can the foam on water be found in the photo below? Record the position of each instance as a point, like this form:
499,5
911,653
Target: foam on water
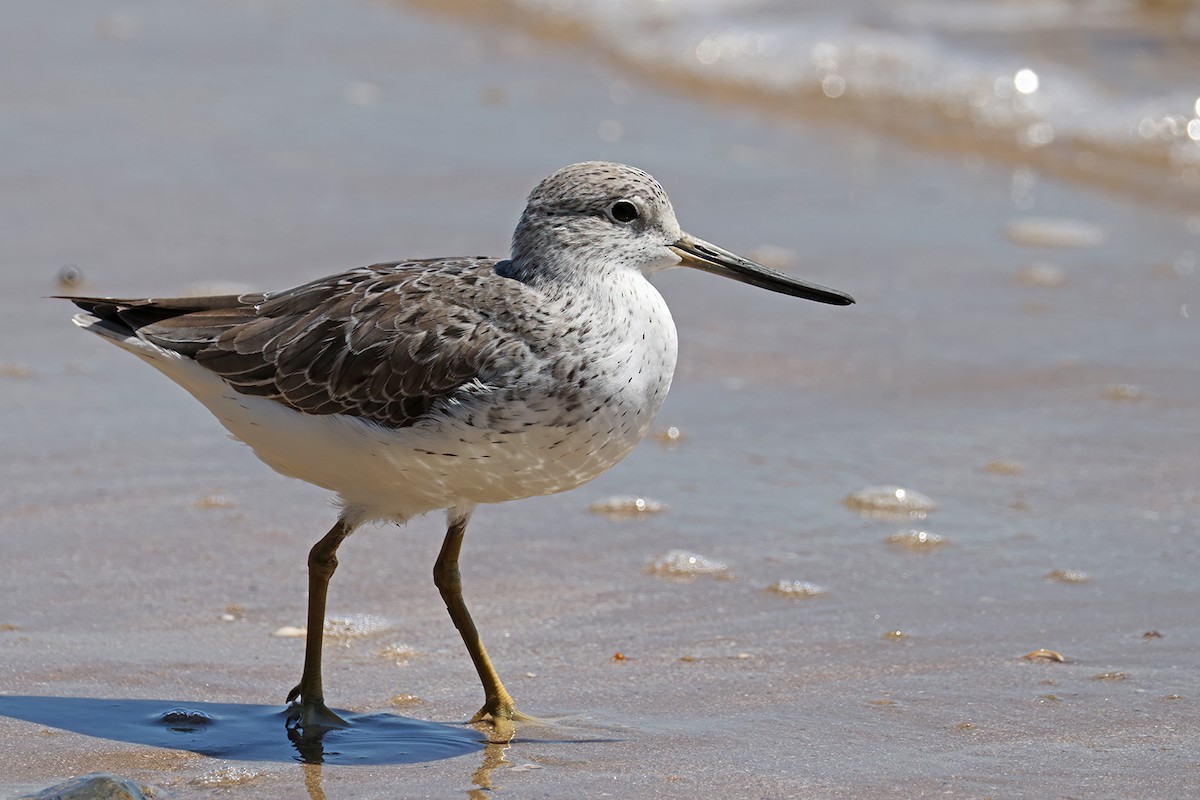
1108,96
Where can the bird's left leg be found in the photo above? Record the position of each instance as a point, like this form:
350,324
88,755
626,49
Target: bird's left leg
498,704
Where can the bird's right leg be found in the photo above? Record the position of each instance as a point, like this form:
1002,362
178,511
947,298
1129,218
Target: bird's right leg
311,713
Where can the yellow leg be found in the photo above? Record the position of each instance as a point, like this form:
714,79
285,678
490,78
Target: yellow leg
498,703
311,712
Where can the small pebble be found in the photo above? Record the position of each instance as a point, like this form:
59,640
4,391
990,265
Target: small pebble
1042,654
1002,467
99,786
290,632
1111,676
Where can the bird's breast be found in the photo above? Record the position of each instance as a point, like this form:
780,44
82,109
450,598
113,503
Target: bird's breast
581,403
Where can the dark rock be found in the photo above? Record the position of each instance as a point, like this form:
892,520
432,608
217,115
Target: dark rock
96,786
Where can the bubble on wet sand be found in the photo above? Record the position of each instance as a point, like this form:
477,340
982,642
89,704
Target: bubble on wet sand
925,541
398,652
626,506
230,776
669,437
686,564
892,502
797,590
69,276
1055,232
185,719
212,501
1068,576
1124,391
354,626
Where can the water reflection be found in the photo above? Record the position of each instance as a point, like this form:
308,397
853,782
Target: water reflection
247,732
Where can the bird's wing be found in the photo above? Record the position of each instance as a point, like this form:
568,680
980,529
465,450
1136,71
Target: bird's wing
382,343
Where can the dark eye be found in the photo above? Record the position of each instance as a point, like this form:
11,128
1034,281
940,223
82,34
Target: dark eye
624,211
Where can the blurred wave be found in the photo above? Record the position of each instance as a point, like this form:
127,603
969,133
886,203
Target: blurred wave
1102,91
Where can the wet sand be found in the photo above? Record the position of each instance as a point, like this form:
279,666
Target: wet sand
1050,414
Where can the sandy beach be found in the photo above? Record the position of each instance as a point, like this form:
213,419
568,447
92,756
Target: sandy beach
1022,352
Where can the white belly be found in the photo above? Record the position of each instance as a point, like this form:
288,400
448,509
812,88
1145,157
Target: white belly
534,442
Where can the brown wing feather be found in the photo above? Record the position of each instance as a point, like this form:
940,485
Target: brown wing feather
384,343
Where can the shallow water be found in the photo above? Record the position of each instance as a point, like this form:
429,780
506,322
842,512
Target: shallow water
1105,95
245,732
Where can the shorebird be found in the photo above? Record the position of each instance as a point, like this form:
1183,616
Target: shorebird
416,386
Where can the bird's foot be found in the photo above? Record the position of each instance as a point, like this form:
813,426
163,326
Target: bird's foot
499,720
311,716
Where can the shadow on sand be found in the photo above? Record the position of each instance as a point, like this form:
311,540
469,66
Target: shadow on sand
247,732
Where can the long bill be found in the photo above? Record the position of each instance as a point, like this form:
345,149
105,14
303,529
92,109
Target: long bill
701,255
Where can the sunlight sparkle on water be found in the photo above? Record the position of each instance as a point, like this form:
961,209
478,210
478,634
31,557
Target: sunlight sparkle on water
1026,81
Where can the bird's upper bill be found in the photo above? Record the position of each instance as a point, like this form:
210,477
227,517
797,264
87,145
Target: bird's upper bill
701,255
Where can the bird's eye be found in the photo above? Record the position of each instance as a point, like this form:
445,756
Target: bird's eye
623,211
